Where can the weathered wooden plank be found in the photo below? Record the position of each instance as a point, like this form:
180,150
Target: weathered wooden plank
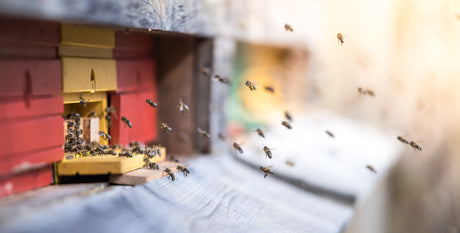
144,175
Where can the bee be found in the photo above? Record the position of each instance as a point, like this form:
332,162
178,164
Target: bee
415,146
83,102
270,89
203,133
371,168
260,133
151,153
126,122
237,147
165,128
205,71
403,140
288,116
251,85
117,146
288,28
340,39
184,170
159,151
109,120
330,134
363,91
92,114
268,152
154,166
221,136
182,107
105,136
69,157
174,159
170,174
134,144
290,163
138,150
286,124
110,109
266,170
222,79
151,103
111,152
125,154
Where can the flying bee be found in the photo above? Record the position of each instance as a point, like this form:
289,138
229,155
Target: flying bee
290,163
237,147
288,116
165,128
221,136
126,122
286,124
363,91
170,174
184,170
371,168
222,79
110,109
203,133
330,134
151,103
251,85
174,159
266,170
205,71
83,102
415,146
403,140
288,28
182,107
268,152
270,89
260,133
340,38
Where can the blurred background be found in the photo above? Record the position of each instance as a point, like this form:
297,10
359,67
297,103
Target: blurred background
406,52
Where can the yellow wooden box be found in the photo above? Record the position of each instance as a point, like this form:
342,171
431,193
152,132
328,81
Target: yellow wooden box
86,36
88,75
102,165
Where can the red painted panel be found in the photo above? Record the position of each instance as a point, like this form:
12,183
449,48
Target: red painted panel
22,32
29,160
142,116
133,44
134,75
17,136
30,77
27,180
22,107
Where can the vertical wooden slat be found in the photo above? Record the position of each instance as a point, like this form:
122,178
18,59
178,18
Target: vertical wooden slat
176,71
202,88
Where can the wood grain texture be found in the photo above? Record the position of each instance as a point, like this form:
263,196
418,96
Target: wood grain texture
219,195
176,80
144,175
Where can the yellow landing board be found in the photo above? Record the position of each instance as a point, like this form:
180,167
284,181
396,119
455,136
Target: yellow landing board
103,164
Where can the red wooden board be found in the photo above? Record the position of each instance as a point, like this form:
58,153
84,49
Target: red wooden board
133,44
18,136
20,32
29,160
30,77
142,116
27,180
22,107
134,75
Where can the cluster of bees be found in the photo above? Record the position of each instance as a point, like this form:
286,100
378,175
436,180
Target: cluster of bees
76,146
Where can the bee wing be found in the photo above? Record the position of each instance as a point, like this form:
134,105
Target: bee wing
269,166
186,107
